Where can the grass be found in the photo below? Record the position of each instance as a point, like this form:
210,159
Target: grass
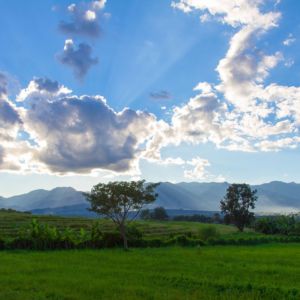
259,272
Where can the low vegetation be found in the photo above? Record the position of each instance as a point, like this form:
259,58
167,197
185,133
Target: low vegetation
245,273
49,233
284,225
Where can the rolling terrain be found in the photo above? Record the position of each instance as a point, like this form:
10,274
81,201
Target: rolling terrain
274,197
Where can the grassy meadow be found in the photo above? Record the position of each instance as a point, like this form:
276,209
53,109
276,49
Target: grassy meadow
265,271
221,272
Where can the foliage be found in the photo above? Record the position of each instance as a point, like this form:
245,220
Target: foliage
285,225
158,214
236,205
116,199
208,232
216,218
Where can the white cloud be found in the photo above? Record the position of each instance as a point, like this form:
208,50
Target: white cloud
289,40
199,169
250,115
76,134
43,87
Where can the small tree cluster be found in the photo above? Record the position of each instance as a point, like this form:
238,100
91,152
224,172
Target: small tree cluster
158,214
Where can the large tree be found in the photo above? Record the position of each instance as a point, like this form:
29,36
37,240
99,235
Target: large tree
236,205
116,199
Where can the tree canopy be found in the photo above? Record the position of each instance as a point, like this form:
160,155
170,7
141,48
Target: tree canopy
121,201
236,205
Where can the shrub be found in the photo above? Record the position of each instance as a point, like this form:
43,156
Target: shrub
208,232
112,239
286,225
133,233
155,242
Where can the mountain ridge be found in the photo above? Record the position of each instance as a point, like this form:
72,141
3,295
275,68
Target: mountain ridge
275,196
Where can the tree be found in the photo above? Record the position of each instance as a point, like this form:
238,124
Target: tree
116,200
160,214
236,205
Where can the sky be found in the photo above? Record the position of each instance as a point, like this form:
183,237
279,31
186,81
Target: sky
162,90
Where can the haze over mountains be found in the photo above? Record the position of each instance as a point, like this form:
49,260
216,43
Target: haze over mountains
274,197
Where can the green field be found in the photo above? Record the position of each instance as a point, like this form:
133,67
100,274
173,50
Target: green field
259,272
265,271
11,223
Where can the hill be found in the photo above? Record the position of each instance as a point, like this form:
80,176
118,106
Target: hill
273,197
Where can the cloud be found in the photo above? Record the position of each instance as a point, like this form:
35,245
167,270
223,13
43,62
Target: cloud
79,134
10,124
83,23
234,13
80,60
199,169
289,40
3,85
251,115
8,113
160,95
42,88
84,19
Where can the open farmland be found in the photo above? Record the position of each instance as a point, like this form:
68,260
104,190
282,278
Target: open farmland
257,272
11,223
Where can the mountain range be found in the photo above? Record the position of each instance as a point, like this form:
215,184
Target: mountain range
273,197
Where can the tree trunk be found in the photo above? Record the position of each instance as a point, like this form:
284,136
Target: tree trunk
124,237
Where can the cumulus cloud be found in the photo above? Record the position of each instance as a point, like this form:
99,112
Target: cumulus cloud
9,116
79,134
10,124
84,19
42,88
251,115
79,59
83,23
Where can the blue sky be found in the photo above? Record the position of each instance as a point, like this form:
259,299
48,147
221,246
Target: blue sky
241,124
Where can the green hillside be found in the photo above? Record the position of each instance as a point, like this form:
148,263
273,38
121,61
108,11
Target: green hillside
12,222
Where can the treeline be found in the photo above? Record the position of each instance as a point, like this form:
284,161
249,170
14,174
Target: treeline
160,214
288,225
284,225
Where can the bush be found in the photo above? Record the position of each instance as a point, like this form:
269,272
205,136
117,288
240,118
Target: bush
2,244
155,243
112,239
208,232
133,233
285,225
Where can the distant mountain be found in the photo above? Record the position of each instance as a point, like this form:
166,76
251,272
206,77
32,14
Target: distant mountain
62,196
191,195
275,196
